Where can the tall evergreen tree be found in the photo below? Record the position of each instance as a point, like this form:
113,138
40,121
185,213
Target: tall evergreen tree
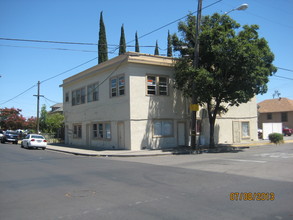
102,43
122,45
136,43
157,49
169,47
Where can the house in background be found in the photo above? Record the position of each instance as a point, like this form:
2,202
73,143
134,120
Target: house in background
276,110
129,102
57,108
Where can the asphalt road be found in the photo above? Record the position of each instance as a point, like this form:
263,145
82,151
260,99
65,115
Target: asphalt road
254,184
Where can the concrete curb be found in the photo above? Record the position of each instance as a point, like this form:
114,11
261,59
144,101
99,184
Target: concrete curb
90,153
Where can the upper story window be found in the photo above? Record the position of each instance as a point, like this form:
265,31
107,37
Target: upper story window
269,116
117,86
157,85
93,92
78,96
284,116
66,97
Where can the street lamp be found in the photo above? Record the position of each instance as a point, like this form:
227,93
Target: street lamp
240,8
195,65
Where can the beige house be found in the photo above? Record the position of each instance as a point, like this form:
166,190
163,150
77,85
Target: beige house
276,110
129,102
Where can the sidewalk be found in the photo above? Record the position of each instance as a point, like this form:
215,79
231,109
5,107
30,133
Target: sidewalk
159,152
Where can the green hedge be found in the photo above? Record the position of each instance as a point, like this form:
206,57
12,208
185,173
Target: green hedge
276,138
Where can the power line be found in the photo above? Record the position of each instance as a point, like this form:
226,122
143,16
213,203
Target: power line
19,94
284,69
282,77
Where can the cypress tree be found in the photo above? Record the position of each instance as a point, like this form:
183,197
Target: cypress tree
157,49
122,45
169,47
102,43
136,43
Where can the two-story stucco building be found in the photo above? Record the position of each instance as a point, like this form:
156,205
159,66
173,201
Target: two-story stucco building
129,102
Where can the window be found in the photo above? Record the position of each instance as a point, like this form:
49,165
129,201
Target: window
157,85
78,96
269,116
77,131
102,130
117,86
163,128
93,92
121,85
284,116
245,129
66,97
95,130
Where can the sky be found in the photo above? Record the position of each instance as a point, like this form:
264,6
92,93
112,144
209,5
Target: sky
24,63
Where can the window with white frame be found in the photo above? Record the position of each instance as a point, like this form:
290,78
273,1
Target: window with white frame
66,97
162,128
117,86
245,129
157,85
78,96
93,92
102,130
77,131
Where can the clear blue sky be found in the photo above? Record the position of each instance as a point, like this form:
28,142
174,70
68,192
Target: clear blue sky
23,64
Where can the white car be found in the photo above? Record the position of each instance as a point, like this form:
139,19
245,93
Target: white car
34,141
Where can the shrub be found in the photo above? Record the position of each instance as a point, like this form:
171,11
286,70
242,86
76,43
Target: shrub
276,138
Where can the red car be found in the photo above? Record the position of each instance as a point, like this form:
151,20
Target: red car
287,131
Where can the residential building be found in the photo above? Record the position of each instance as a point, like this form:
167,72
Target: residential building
276,110
129,102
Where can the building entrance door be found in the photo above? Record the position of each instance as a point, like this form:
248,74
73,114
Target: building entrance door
121,135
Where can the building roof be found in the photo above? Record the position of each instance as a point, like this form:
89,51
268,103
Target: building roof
276,105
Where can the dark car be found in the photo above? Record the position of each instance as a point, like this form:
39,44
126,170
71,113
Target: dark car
287,131
10,136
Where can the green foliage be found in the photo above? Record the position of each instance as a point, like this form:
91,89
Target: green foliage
234,65
54,122
276,138
122,45
102,43
156,49
136,43
50,123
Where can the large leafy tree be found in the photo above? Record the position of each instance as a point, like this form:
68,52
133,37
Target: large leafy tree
102,43
234,64
122,44
11,119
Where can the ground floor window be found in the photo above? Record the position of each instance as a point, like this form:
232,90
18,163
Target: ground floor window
77,131
245,129
163,128
102,130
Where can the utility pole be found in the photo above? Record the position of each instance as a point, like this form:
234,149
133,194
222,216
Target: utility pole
195,65
38,107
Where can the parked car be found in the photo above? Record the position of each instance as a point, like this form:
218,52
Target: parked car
1,134
9,136
287,131
34,141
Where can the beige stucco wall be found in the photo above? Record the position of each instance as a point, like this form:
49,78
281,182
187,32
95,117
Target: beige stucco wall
113,110
228,127
144,109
